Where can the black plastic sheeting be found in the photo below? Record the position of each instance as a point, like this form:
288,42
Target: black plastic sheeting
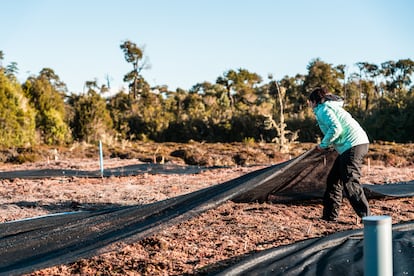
336,254
129,170
32,244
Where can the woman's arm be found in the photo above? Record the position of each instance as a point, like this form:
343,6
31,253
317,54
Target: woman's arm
333,128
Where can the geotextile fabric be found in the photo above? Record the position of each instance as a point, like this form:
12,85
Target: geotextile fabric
336,254
130,170
31,244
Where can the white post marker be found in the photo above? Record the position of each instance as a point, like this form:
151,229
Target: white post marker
377,246
101,158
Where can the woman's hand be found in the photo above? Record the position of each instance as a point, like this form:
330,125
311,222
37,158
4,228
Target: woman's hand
318,148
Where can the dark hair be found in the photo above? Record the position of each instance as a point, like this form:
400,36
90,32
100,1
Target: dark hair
318,94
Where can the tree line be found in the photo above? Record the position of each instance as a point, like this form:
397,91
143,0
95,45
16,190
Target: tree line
239,106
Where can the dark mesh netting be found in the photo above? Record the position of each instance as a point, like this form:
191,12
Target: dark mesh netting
32,244
336,254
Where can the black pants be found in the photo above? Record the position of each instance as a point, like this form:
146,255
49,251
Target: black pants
344,177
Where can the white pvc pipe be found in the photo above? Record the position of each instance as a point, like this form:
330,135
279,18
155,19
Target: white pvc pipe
378,246
101,158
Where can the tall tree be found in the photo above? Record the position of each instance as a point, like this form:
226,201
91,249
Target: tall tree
215,99
47,94
227,81
91,120
17,117
240,86
295,101
323,74
135,55
367,85
120,108
10,70
400,73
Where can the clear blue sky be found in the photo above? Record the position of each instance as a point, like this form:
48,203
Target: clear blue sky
191,41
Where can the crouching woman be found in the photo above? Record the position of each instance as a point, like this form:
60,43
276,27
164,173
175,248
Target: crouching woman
342,132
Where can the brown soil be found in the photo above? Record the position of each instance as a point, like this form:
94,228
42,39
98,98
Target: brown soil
207,242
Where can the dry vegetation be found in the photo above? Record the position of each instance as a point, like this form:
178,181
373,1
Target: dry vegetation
203,244
194,153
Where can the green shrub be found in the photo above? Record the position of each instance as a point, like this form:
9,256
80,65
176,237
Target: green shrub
17,118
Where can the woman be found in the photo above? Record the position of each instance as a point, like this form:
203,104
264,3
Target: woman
351,142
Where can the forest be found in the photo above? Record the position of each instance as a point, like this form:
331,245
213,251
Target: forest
240,106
